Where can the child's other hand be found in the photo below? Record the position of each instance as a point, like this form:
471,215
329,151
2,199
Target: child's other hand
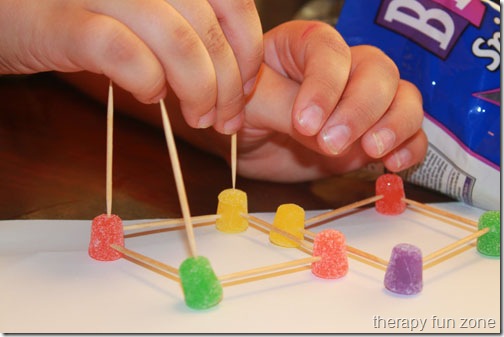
348,107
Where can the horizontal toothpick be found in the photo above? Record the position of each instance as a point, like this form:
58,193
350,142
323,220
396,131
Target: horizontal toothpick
172,222
265,276
455,244
288,235
441,212
343,209
168,271
447,256
366,261
270,268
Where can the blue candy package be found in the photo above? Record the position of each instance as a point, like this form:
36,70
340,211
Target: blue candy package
450,49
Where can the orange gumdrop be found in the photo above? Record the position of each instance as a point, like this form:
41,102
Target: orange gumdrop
331,247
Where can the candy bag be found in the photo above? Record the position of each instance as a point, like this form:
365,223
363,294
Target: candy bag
450,49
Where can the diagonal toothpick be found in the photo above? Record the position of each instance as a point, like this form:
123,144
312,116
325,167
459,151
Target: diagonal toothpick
177,172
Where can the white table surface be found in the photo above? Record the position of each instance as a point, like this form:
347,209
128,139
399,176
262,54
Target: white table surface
48,283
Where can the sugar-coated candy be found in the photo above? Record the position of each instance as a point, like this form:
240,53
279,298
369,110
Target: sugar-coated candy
489,243
288,218
202,289
330,245
232,204
105,231
404,271
392,188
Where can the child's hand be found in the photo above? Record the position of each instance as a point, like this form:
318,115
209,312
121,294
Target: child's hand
322,108
205,51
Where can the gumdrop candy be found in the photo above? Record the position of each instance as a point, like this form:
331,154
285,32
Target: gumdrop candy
404,271
202,289
489,244
330,245
232,204
105,231
289,218
392,188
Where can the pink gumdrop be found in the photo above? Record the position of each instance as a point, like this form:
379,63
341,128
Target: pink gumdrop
330,246
392,188
105,231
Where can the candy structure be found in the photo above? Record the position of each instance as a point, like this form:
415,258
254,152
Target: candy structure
289,218
106,230
404,272
489,243
392,188
232,204
330,245
202,289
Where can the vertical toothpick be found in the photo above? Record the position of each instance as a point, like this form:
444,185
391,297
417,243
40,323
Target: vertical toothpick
177,172
233,159
110,137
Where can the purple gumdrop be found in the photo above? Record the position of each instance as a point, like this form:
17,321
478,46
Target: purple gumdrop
404,271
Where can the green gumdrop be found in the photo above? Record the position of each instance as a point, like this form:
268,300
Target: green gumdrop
202,289
489,243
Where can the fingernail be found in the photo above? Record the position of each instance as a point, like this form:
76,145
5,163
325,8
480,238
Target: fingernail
310,119
232,125
207,119
402,158
384,140
336,138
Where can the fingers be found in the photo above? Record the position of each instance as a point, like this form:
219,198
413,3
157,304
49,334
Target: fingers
185,60
144,46
315,55
402,120
409,153
241,24
402,117
107,46
229,114
370,89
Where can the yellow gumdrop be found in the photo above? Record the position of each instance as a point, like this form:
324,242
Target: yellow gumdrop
288,218
232,204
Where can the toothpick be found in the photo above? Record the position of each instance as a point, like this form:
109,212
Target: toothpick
441,212
233,159
265,276
270,268
455,244
288,235
169,271
172,222
447,256
343,209
177,172
110,137
365,261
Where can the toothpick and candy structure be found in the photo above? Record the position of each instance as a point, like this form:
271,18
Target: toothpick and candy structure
328,249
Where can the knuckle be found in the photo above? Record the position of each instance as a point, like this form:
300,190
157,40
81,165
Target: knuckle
248,7
115,43
187,40
323,33
215,41
382,61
